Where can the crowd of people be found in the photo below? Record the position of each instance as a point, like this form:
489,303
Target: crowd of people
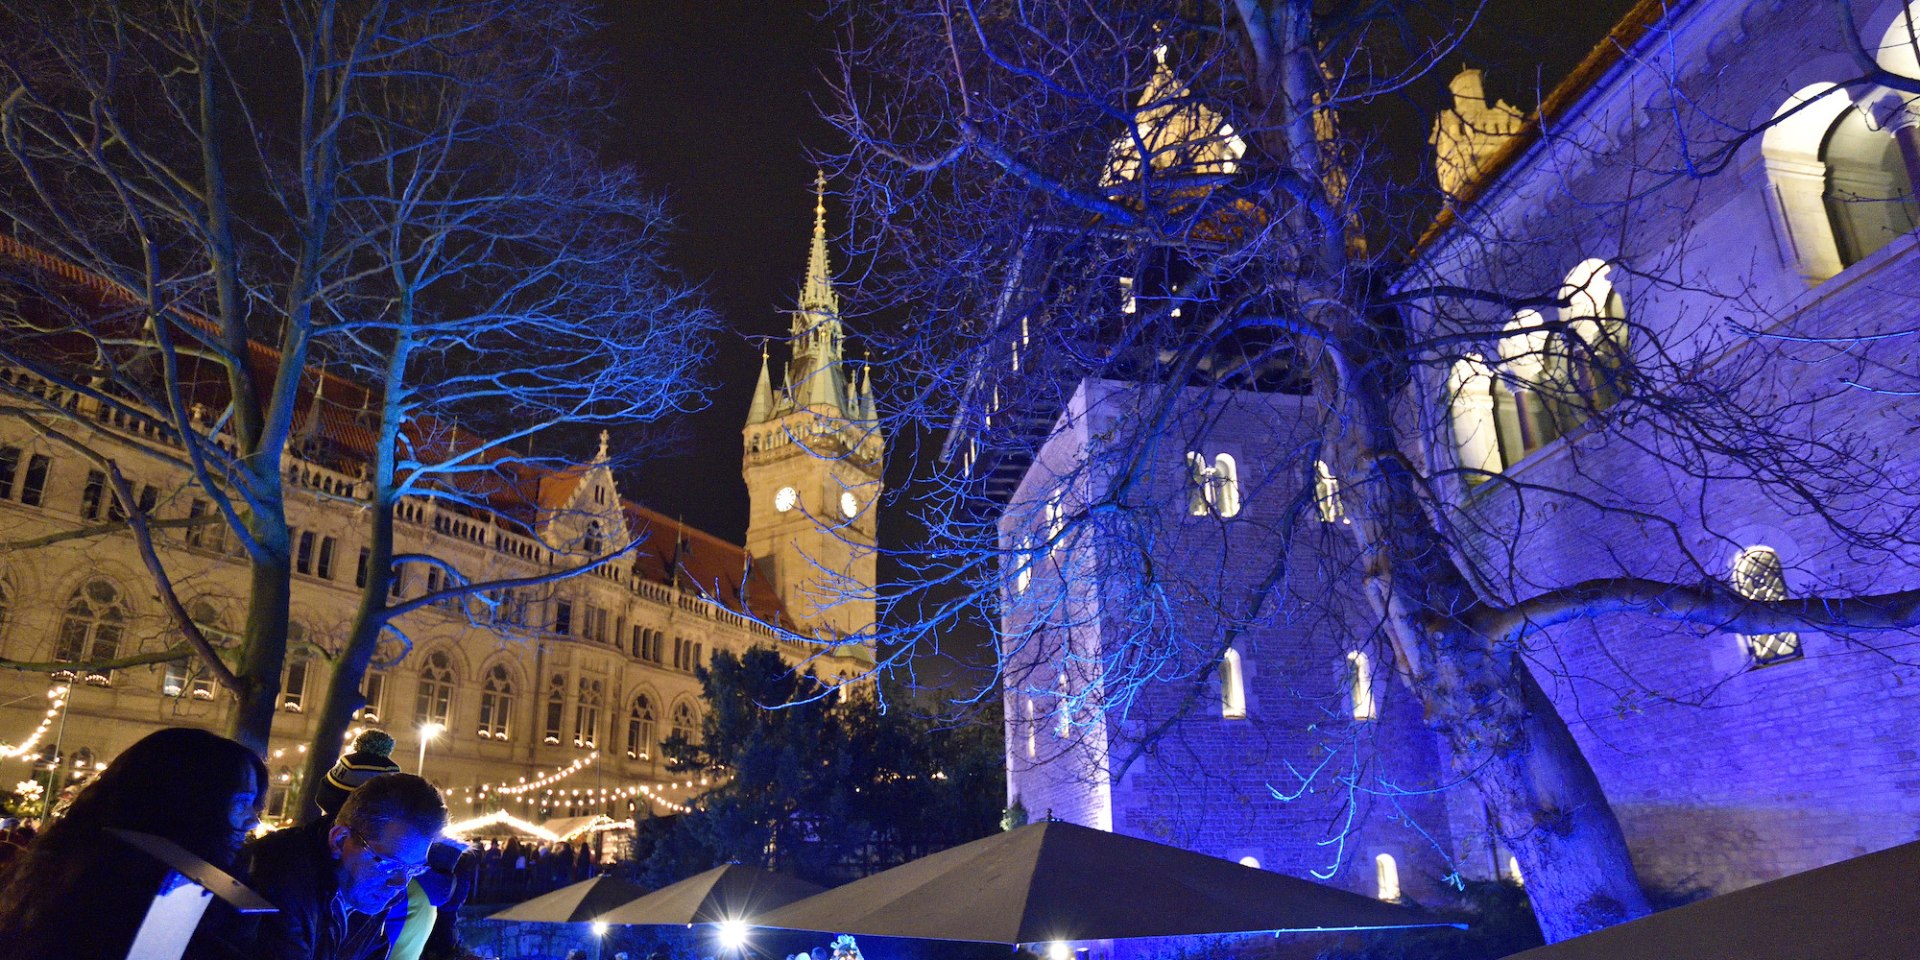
370,877
513,869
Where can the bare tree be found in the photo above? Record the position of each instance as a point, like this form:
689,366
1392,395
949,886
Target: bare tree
1193,199
256,240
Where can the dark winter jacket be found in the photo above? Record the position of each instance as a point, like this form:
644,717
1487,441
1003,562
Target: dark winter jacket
295,870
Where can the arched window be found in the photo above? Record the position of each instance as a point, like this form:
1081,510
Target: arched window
556,709
1513,872
434,702
1758,575
586,714
1250,861
293,686
1592,353
1326,494
373,688
1033,739
278,792
1063,716
1522,396
1360,694
1386,877
640,722
496,703
1840,183
686,725
1213,487
1868,195
1233,686
91,629
1476,430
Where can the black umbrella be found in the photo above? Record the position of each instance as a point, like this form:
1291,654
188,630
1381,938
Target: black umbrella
1859,909
1058,881
730,892
582,902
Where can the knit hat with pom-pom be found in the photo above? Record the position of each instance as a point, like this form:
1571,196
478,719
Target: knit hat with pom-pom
370,758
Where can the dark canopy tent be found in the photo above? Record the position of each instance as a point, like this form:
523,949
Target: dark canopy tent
1866,908
1060,881
729,892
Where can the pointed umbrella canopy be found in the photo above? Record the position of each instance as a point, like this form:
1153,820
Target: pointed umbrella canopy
1060,881
1859,909
730,892
582,902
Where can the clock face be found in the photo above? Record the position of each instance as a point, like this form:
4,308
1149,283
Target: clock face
849,504
785,498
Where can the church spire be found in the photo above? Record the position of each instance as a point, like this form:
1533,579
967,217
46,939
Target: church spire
816,294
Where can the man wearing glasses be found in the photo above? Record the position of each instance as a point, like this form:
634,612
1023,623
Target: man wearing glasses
335,878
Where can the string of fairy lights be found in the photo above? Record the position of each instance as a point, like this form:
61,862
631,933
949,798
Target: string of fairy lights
57,701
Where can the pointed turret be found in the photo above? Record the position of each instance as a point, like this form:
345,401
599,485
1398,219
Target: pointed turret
816,378
762,407
816,294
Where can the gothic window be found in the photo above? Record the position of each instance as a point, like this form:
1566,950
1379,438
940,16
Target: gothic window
33,488
1213,488
1758,575
373,688
278,792
686,725
1326,494
496,704
586,714
1233,686
591,544
9,468
1591,355
556,709
1063,719
434,701
1360,696
1868,196
1056,518
1471,406
1386,878
189,678
293,686
640,729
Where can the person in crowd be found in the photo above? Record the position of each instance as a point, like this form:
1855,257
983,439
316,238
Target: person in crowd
80,891
371,756
335,879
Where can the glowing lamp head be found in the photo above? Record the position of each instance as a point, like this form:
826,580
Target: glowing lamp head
430,730
733,934
599,928
1059,951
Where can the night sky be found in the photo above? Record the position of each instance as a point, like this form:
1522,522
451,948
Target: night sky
716,109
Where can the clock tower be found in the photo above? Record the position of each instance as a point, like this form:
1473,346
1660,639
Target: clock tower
813,464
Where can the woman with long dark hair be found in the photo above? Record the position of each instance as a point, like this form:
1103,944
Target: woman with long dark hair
79,891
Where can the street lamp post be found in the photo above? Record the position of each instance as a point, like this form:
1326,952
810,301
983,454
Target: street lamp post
427,732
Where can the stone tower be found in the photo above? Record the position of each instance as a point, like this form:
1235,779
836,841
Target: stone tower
813,464
1465,137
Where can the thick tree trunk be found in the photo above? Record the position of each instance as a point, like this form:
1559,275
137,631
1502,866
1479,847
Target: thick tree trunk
1502,732
263,648
343,688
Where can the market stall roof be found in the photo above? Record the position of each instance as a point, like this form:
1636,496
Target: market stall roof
1858,909
581,902
1058,881
730,892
